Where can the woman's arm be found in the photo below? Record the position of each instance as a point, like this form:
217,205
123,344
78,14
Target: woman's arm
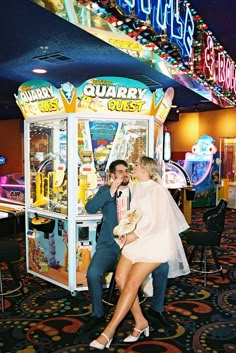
127,238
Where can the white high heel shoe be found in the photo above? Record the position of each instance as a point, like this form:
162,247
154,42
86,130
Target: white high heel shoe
131,338
96,344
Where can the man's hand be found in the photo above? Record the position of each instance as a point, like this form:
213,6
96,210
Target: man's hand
115,186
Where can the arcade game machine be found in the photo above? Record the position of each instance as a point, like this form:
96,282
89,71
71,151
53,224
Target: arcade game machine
3,214
12,215
202,164
12,189
71,136
226,187
176,179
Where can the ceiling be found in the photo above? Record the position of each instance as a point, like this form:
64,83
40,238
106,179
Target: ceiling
27,28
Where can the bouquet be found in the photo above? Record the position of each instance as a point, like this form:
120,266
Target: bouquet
128,223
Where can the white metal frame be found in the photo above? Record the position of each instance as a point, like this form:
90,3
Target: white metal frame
72,217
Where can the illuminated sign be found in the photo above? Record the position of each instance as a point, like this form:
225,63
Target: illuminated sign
37,97
44,96
2,160
226,72
132,48
121,92
32,95
100,94
120,97
165,16
218,67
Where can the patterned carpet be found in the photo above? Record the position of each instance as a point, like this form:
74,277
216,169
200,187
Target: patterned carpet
46,318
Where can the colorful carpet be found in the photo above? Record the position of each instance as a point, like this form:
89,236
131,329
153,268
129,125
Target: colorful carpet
46,318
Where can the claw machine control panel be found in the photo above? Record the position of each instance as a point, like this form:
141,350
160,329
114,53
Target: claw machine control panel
71,137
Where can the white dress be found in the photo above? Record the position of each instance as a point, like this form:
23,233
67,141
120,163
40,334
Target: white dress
158,230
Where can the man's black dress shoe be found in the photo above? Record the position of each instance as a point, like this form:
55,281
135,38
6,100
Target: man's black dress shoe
92,323
159,318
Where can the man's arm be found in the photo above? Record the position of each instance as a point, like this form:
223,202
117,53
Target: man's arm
102,197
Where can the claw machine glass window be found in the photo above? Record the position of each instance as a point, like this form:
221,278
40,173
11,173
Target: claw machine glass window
228,157
112,140
100,142
48,165
227,187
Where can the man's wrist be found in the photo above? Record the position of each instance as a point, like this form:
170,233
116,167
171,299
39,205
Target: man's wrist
112,194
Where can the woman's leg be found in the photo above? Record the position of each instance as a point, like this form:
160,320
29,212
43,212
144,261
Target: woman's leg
121,277
136,275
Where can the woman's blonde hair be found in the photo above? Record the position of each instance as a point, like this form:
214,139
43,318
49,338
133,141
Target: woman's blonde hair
151,165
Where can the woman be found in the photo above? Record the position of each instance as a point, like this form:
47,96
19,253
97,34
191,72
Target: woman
154,241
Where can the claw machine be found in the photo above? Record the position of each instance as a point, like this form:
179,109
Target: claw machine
71,135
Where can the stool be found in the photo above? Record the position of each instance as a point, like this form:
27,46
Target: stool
208,239
9,251
205,241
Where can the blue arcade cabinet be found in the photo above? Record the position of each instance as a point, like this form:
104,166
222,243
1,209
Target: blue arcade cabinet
202,166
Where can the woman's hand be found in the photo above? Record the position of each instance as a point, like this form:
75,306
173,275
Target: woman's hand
120,241
126,239
129,238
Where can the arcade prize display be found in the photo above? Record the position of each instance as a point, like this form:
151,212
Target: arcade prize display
71,135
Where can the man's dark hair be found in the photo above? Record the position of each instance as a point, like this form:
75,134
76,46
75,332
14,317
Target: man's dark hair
112,166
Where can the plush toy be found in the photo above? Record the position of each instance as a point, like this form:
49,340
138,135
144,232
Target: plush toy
128,223
84,259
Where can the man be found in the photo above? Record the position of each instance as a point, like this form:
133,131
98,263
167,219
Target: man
113,200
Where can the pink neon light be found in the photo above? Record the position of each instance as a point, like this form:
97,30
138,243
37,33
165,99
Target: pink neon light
226,72
13,185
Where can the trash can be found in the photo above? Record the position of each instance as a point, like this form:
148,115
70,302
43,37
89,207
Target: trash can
190,193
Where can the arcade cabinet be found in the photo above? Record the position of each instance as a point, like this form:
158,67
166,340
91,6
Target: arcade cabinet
226,187
201,165
176,179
